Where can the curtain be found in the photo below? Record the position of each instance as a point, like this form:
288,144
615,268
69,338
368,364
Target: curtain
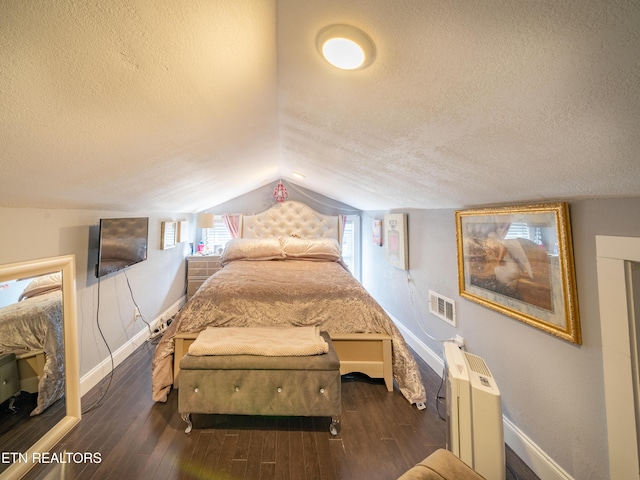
232,221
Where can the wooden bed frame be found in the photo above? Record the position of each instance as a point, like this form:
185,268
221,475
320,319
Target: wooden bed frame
30,369
368,353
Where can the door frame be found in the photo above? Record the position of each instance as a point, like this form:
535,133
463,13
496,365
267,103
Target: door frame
613,255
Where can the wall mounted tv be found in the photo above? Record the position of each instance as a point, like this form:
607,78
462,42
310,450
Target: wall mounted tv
123,242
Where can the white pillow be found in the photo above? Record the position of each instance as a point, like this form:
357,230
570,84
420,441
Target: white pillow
41,285
252,249
325,249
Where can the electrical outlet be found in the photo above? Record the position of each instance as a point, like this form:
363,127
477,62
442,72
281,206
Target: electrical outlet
459,341
136,313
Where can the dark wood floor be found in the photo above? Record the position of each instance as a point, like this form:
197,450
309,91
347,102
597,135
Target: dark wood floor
381,436
18,430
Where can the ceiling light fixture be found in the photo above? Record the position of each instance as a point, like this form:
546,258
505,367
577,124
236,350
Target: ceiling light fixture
346,47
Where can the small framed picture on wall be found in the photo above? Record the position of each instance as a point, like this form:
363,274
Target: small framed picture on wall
395,239
168,235
377,232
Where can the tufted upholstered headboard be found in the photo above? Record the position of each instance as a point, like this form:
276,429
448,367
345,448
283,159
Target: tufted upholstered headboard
291,218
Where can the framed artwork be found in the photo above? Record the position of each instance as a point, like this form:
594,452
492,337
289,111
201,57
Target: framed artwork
395,238
376,232
183,231
168,234
519,261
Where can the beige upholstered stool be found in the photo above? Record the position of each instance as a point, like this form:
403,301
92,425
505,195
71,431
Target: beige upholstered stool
306,386
441,465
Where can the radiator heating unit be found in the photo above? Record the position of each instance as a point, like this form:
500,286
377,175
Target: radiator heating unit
474,413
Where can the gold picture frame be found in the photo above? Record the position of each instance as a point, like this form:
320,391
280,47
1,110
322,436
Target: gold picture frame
168,235
518,260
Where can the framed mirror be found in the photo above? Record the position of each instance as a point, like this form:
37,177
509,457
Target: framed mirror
38,333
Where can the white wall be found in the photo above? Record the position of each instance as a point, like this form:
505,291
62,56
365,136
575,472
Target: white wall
157,283
552,390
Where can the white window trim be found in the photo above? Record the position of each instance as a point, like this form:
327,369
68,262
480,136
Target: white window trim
357,245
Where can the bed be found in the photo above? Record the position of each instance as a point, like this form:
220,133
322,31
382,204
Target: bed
32,329
285,269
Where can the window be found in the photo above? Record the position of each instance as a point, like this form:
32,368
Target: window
351,244
348,244
518,230
216,238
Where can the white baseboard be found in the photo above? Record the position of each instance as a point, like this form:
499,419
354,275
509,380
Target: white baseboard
426,354
530,453
93,377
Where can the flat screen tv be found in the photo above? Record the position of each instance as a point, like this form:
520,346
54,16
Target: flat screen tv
123,242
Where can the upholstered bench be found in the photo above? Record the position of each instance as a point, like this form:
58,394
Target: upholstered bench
257,385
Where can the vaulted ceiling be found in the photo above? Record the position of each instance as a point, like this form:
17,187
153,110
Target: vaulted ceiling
179,106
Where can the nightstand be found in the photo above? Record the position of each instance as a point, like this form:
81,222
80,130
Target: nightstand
199,268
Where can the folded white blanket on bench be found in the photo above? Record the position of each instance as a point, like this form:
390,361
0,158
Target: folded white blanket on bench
264,341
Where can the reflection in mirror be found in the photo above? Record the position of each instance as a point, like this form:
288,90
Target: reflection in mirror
39,388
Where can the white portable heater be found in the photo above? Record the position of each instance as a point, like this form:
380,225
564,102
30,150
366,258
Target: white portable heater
474,413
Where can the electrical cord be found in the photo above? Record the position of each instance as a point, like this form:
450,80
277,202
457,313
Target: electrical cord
515,476
137,307
415,312
104,391
439,397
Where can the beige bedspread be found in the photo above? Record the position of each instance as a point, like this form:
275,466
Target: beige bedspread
285,293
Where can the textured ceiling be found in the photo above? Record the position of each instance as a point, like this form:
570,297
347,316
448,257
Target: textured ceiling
165,105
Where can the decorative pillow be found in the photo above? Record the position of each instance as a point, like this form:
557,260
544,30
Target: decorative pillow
41,285
252,249
324,249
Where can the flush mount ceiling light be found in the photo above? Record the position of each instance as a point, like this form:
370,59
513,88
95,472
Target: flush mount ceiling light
346,47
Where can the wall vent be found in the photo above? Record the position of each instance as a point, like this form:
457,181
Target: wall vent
442,307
